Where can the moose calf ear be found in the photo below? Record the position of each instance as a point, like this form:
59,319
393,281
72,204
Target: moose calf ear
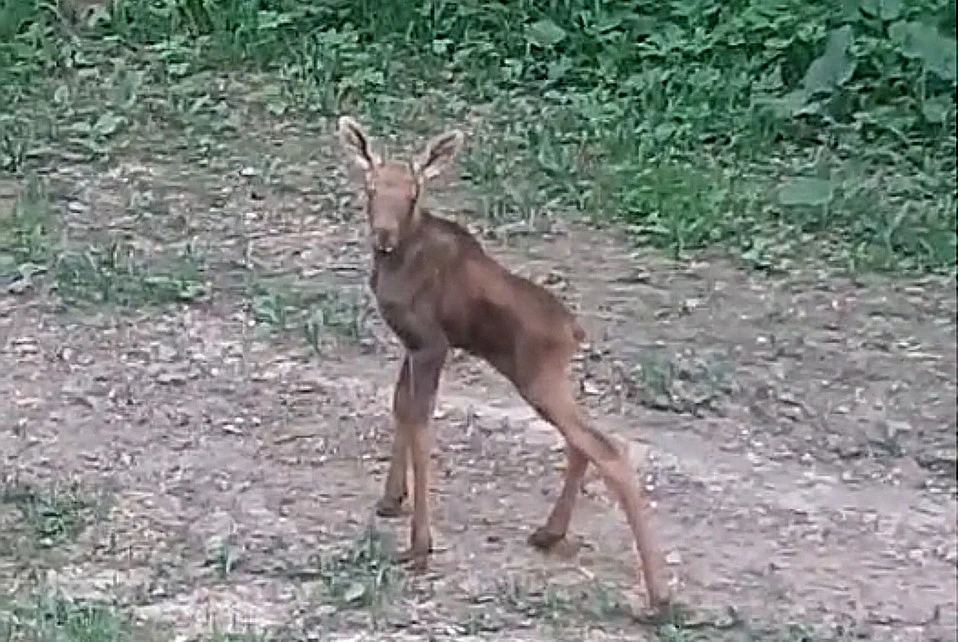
355,142
438,154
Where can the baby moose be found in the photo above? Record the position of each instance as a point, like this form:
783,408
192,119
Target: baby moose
437,289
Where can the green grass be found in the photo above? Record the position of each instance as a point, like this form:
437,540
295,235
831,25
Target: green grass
683,382
116,275
26,226
54,618
113,273
364,575
319,315
53,514
559,605
778,130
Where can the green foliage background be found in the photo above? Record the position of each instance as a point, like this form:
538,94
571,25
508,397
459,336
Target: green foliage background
775,128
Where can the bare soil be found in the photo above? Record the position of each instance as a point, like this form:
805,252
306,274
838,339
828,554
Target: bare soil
797,432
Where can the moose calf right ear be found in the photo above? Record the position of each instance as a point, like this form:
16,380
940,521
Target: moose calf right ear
439,153
355,141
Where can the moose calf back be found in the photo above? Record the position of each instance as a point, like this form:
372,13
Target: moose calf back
490,312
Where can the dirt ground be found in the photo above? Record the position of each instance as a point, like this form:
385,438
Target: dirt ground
797,432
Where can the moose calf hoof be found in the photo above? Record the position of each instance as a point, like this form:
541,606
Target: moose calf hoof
415,559
544,540
389,507
660,602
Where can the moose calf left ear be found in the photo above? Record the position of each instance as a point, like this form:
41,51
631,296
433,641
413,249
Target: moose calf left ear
438,154
356,142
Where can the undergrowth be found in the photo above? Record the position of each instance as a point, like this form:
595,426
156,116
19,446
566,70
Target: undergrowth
774,128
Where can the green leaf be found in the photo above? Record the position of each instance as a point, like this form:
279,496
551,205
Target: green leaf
923,42
835,67
812,192
354,592
936,110
783,107
62,95
890,9
107,124
544,33
886,10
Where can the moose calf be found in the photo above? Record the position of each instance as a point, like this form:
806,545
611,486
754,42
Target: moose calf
437,289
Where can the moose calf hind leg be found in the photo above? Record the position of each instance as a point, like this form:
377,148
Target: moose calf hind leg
395,488
555,529
554,401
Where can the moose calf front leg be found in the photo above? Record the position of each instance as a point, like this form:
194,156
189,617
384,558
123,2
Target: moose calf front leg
415,395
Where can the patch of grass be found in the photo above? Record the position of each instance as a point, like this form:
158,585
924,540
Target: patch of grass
223,554
680,382
319,313
681,624
54,514
55,618
52,617
117,275
26,227
560,605
114,274
363,576
549,603
776,130
250,634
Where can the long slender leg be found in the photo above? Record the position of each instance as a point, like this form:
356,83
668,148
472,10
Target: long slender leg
555,528
395,487
414,407
552,396
421,543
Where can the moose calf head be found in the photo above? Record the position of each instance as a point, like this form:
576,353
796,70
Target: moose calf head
395,188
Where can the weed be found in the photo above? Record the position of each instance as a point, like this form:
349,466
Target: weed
675,633
110,275
683,382
243,636
52,617
241,633
223,555
26,243
116,275
318,312
56,514
549,603
773,130
365,574
556,605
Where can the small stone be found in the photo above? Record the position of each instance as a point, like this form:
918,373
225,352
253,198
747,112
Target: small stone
171,378
166,353
673,558
591,388
20,286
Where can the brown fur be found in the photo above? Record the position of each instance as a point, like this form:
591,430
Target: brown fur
437,289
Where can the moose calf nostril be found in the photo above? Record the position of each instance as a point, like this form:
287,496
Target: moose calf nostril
384,241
